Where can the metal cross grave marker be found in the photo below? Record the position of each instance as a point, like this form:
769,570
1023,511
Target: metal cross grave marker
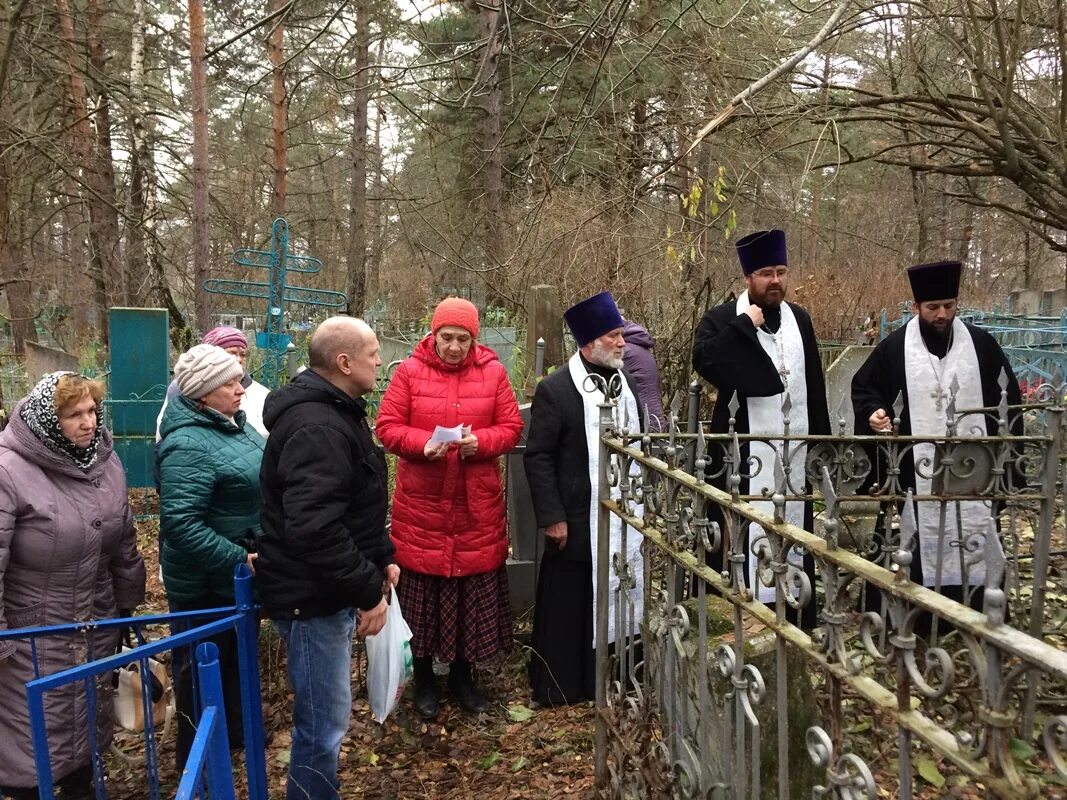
277,292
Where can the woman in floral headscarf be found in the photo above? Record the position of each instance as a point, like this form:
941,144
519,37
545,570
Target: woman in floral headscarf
68,553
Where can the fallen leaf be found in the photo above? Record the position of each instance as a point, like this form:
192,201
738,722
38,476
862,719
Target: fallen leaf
929,772
519,713
1021,750
489,760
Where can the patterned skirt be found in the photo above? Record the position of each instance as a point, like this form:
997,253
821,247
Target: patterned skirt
468,617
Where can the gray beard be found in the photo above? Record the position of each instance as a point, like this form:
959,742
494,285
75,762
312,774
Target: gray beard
602,357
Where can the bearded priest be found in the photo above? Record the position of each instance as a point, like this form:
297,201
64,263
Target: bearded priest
561,461
761,347
920,362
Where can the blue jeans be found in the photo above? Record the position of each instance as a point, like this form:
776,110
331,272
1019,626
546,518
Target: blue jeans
319,657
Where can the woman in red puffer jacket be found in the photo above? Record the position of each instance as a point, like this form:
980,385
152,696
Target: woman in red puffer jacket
449,521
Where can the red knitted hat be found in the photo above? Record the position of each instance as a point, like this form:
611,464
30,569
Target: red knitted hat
455,311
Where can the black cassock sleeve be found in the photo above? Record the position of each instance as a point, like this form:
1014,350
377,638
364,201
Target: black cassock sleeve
873,387
727,354
541,459
818,411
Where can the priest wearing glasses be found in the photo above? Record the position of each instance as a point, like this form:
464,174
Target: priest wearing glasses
762,348
920,361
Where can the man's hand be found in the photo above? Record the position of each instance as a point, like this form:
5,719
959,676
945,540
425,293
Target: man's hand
392,576
434,450
557,532
251,567
468,445
370,622
880,422
755,313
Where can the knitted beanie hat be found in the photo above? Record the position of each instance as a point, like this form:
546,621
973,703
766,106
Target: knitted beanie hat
456,311
204,368
224,336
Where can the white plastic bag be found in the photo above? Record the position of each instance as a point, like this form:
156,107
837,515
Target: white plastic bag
389,661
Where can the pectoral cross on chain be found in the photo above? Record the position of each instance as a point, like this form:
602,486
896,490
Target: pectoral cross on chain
938,395
783,371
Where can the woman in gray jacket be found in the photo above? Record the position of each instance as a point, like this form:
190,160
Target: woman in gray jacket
68,553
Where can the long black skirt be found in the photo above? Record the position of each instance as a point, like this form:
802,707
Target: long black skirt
562,667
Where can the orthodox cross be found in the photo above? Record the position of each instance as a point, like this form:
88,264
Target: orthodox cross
938,394
277,292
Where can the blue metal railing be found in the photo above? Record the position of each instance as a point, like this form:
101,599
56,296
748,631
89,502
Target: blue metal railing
1036,346
209,755
241,617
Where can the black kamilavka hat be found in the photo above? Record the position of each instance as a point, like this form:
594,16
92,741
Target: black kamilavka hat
938,280
761,249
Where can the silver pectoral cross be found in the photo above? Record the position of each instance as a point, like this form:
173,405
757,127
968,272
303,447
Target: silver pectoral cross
783,371
938,395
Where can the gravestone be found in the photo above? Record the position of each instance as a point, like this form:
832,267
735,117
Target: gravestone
41,360
543,321
137,385
839,384
1026,301
1053,300
522,527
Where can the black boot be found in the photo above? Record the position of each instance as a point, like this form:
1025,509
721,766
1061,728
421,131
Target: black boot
461,684
426,703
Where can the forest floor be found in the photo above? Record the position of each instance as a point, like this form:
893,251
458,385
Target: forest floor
511,751
515,751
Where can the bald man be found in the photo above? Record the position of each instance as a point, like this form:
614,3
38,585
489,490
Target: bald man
325,559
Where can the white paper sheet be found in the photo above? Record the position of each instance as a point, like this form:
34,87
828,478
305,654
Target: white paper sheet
442,434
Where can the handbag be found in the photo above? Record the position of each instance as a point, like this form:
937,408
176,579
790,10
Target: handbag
127,703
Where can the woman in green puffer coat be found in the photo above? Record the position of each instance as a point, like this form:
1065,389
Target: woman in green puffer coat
208,466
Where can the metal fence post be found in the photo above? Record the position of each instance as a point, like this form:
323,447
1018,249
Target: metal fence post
219,774
603,558
41,758
1042,547
692,420
248,661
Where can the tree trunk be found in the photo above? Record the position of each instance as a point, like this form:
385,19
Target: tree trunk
13,281
118,276
143,248
278,116
374,258
135,243
492,161
102,245
357,210
201,233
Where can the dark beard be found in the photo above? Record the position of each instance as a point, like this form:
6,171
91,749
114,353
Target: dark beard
772,317
936,341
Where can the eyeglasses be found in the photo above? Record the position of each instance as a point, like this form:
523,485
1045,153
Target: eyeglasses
770,272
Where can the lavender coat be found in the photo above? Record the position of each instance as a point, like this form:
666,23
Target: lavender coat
68,552
641,364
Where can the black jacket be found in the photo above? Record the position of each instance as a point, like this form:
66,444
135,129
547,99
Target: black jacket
324,545
557,462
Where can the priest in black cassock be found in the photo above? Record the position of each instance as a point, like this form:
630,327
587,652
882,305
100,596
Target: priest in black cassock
759,346
561,462
920,361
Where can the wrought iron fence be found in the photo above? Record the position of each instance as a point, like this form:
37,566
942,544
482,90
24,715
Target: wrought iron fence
709,692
